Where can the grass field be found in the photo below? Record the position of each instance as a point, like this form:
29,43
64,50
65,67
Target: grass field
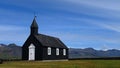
63,64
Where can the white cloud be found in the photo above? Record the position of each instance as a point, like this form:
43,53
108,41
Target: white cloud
106,9
114,26
12,34
10,28
72,11
106,4
79,37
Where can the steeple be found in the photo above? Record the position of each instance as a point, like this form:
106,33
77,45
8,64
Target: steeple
34,27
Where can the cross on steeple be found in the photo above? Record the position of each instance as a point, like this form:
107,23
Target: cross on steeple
35,15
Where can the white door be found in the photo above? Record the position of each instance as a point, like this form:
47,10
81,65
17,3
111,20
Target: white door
31,52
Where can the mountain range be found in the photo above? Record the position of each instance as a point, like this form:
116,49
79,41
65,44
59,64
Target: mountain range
13,51
92,53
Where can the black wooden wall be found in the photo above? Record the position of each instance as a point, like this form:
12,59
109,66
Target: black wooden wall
53,55
38,48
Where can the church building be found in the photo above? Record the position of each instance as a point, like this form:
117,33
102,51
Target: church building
43,47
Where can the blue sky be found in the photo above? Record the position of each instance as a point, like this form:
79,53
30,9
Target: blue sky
78,23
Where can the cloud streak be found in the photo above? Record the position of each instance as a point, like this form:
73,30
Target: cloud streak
11,34
11,28
79,23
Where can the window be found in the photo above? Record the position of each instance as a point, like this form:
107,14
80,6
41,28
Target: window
49,50
64,51
57,51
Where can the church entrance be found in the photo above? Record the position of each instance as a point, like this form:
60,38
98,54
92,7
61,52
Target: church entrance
31,52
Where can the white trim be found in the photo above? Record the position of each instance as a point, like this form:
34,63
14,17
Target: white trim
31,46
31,52
49,50
57,51
64,51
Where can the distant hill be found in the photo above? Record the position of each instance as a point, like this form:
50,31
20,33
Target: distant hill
92,53
13,51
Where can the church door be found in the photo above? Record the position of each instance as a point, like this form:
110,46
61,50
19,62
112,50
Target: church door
31,52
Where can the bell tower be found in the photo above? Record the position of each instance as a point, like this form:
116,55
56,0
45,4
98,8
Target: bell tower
34,27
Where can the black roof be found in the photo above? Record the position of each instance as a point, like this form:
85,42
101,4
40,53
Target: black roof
34,24
50,41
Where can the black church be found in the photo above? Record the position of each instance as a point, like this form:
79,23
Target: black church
43,47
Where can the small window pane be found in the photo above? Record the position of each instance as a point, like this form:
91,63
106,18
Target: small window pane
64,51
49,50
57,51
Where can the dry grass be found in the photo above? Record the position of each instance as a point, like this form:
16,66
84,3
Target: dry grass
63,64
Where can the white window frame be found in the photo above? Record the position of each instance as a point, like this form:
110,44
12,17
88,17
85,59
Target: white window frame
64,51
57,51
49,50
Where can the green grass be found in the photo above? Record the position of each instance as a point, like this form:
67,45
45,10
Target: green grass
63,64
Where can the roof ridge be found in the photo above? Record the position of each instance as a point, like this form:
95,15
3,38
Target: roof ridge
48,36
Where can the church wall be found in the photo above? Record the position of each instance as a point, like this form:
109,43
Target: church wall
38,53
24,53
38,49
